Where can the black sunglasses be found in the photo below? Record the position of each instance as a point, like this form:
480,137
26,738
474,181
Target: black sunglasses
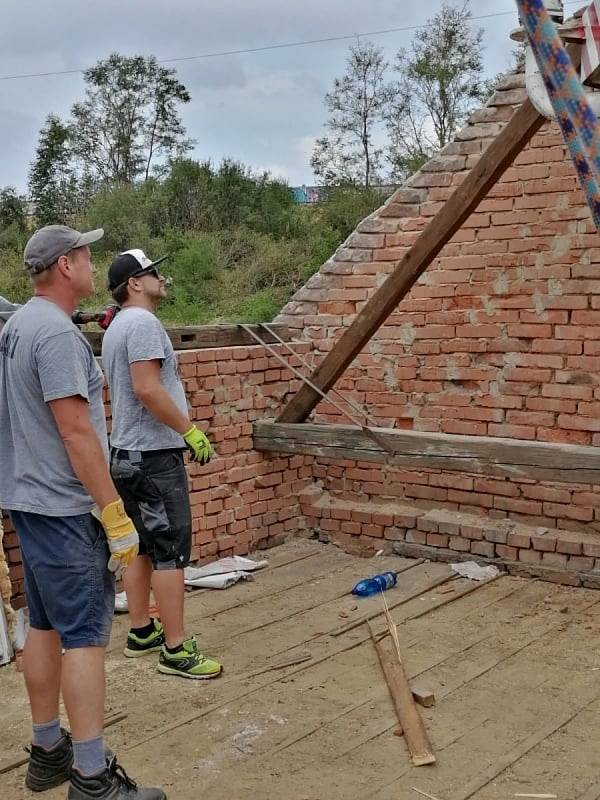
151,271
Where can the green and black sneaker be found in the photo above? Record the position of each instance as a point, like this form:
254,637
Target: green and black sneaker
188,662
137,646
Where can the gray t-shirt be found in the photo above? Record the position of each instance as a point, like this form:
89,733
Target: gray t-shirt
43,357
137,335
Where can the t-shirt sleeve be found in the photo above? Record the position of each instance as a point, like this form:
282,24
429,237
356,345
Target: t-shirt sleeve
63,367
145,341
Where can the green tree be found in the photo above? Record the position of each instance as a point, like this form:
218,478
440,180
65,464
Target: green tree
129,122
53,183
13,209
440,82
356,106
13,224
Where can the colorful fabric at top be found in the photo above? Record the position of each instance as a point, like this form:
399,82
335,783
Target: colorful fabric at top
577,120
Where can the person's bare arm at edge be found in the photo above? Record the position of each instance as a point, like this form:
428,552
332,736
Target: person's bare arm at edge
145,379
83,447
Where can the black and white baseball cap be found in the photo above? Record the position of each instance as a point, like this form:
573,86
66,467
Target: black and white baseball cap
130,264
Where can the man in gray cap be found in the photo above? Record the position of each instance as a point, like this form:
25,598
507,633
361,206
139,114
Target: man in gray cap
54,474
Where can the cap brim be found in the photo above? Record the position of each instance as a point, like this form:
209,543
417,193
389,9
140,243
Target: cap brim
90,237
155,263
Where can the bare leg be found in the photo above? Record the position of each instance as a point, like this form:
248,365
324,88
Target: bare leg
136,581
42,668
169,591
83,691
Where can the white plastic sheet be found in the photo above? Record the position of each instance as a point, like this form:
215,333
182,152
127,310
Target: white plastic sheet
222,573
475,572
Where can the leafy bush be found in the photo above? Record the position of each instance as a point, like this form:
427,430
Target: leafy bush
239,246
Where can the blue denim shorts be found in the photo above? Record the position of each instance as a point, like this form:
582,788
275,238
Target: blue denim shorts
67,583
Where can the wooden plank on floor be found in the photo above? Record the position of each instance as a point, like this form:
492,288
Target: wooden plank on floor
289,570
481,455
565,764
299,633
328,738
294,673
521,749
326,593
518,690
439,580
591,793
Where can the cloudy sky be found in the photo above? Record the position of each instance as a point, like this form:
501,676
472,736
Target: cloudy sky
264,108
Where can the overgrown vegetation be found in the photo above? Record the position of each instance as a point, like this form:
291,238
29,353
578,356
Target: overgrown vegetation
239,246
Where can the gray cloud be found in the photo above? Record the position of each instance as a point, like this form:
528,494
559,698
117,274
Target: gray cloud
263,108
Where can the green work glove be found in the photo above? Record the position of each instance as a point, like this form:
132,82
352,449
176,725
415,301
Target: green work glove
122,537
198,444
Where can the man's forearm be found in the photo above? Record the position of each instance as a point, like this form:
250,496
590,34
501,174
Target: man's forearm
89,465
160,404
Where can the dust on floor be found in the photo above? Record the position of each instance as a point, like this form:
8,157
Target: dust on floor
302,711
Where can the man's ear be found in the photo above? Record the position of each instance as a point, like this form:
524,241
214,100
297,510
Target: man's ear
63,266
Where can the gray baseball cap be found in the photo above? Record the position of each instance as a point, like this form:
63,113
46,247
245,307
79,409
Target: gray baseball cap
48,244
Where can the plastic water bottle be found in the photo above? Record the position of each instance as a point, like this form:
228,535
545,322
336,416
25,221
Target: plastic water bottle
374,585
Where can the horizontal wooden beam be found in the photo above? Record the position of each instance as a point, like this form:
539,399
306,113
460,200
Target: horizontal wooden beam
479,455
204,337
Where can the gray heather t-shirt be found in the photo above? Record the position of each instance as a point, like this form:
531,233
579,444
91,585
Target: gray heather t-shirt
137,335
43,357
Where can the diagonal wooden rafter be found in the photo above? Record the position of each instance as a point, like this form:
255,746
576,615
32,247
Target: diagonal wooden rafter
500,154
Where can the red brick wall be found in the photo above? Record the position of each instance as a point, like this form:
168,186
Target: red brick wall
500,336
242,500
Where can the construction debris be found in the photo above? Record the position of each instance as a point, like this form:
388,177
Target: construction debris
222,573
474,571
424,697
424,794
415,734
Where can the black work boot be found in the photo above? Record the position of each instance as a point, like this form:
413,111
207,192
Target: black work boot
112,784
49,768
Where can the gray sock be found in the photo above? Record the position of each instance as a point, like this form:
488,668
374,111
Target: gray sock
47,734
89,757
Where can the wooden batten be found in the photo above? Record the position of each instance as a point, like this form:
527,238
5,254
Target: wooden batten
479,455
204,337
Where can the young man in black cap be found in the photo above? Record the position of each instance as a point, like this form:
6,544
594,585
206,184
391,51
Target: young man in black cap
72,528
150,430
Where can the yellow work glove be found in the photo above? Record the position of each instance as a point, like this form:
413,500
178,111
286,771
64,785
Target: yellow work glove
122,537
198,444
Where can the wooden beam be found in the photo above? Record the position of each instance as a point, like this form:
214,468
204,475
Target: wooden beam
204,337
413,729
479,455
500,154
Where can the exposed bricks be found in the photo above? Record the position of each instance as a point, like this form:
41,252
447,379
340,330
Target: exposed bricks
483,549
